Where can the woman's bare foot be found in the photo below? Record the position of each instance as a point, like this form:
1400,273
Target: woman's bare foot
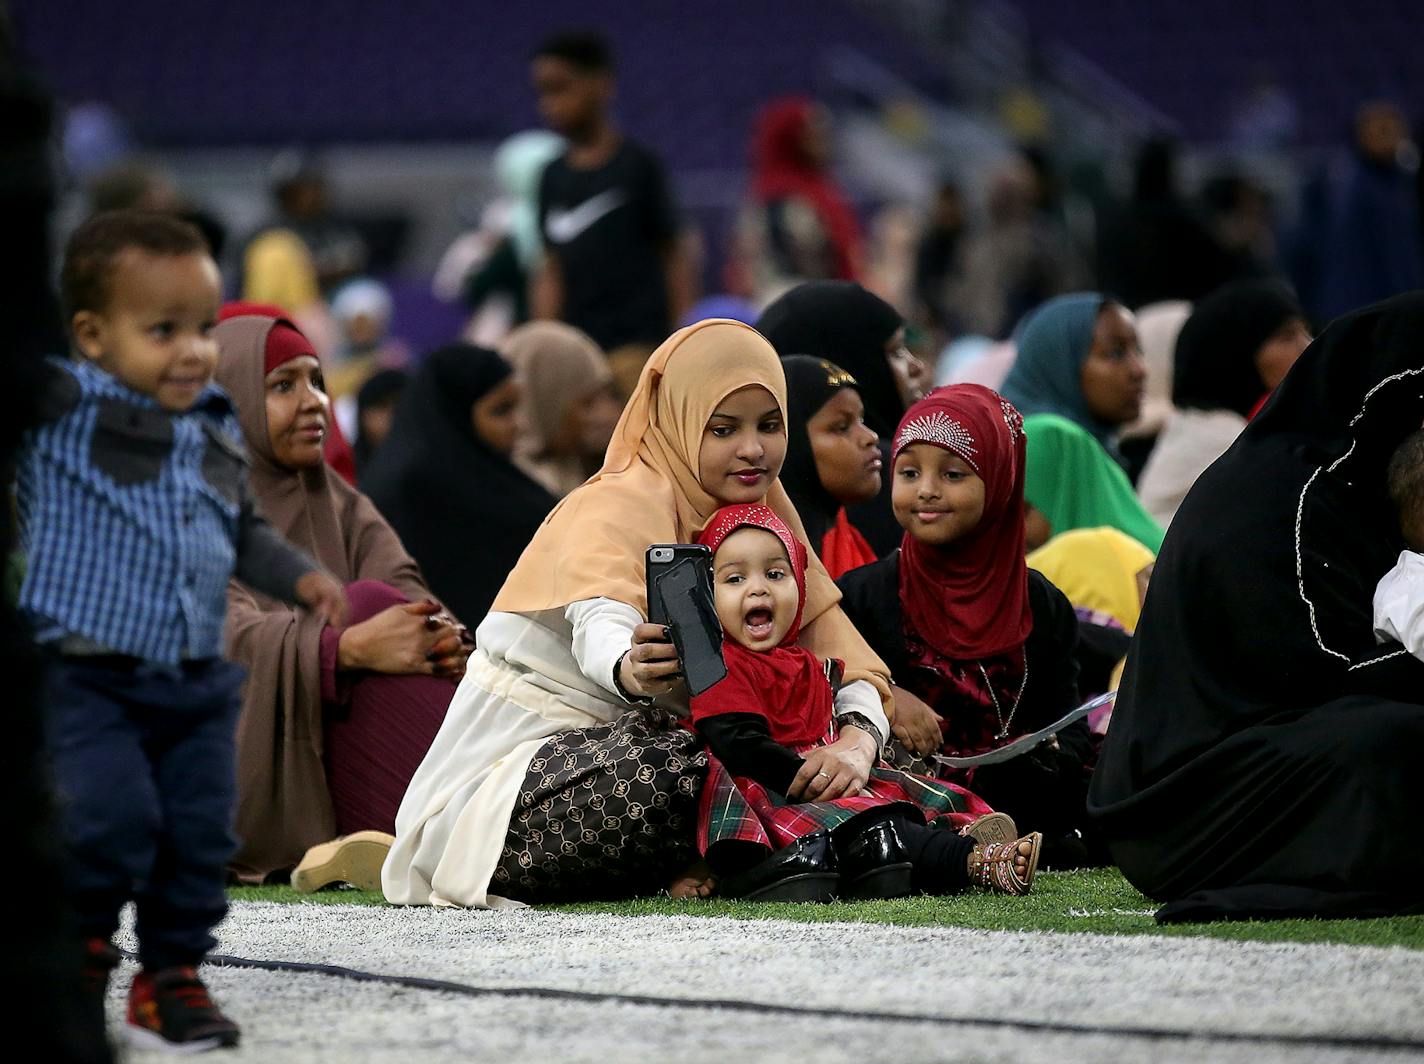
696,881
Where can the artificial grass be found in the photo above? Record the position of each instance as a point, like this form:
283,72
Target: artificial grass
1100,901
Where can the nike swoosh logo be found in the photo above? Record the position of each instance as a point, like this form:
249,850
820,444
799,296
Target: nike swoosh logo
563,226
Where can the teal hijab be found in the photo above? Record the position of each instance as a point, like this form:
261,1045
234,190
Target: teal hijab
1053,342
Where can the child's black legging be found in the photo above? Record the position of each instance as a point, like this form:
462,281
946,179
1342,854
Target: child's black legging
940,857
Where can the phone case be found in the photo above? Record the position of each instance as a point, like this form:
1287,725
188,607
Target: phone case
660,558
685,592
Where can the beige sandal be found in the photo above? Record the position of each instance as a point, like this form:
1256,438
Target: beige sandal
996,871
354,859
992,827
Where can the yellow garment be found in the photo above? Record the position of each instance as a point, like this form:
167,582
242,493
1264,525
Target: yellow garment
1097,569
592,545
278,269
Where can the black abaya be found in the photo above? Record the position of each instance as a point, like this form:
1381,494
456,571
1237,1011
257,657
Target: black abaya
1264,753
462,510
1043,790
845,324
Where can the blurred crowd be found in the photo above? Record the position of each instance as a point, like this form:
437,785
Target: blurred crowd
1109,346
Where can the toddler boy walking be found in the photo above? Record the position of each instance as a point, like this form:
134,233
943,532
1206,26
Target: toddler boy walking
135,512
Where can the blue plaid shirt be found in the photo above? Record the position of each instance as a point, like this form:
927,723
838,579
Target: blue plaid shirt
133,519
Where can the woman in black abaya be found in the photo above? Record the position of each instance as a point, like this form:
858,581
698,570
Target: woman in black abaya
865,336
445,481
1264,754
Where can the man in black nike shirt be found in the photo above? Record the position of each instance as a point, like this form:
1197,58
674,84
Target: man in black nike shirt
612,264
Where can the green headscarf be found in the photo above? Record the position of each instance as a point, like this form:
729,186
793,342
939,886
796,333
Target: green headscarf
519,163
1076,484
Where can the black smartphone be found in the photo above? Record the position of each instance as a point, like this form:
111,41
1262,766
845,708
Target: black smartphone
680,595
660,558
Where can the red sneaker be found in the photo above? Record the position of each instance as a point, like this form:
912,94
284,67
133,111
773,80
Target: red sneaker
100,959
171,1009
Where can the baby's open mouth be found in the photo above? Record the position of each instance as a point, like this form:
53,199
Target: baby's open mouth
759,622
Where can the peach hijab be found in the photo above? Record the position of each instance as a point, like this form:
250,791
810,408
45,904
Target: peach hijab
593,543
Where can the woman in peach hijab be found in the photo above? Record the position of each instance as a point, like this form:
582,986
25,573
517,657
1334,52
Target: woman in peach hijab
559,772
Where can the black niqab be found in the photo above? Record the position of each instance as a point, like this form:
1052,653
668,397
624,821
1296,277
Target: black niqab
463,510
1264,753
843,323
384,386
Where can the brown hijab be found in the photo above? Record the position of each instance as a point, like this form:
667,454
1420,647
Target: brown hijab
557,365
283,804
593,543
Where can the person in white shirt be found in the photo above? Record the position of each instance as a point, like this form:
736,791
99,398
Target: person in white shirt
1399,596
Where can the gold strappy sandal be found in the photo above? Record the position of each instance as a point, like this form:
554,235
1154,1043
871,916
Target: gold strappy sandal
992,827
996,871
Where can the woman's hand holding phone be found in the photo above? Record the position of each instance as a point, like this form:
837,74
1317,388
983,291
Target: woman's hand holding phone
651,667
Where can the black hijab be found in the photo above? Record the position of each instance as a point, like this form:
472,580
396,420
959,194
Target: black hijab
810,384
843,323
383,387
1250,767
464,511
1215,362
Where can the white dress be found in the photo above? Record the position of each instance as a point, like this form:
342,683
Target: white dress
1191,442
531,676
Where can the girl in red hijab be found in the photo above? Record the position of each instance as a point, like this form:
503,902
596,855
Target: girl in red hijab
982,647
776,783
791,160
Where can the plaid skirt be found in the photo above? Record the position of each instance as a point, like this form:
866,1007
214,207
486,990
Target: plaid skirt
742,811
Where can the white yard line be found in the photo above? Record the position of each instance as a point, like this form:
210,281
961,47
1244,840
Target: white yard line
1189,985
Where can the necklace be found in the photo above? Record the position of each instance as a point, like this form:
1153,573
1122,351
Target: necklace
998,710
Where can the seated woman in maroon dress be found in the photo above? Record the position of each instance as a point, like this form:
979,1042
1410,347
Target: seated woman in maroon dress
334,722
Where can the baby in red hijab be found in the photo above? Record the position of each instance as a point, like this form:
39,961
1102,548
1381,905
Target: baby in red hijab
769,724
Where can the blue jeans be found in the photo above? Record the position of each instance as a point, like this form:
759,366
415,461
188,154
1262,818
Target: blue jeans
143,758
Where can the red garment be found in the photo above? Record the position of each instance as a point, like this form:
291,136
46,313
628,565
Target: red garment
242,308
284,344
957,692
970,599
784,169
741,810
378,727
338,453
843,548
787,685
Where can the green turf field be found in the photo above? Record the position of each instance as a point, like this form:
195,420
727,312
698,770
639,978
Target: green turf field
1099,901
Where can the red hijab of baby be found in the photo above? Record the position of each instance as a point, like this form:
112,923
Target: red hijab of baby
787,685
970,599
